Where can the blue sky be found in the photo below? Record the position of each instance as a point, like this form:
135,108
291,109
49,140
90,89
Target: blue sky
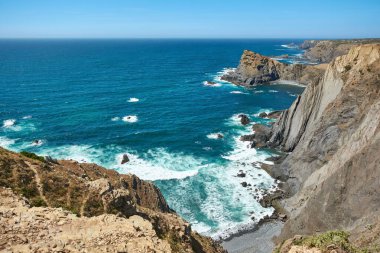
189,19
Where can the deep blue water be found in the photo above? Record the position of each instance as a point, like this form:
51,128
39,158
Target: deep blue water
72,95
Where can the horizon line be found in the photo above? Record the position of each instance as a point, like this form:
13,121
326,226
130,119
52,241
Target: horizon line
185,38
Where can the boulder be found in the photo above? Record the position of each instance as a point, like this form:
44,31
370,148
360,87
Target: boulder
274,114
241,174
248,137
125,159
263,115
244,120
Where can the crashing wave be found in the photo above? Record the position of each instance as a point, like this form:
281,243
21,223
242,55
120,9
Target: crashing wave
130,118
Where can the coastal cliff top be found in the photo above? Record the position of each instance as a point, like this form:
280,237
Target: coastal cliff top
86,207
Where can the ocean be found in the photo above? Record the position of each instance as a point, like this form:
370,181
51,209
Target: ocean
95,100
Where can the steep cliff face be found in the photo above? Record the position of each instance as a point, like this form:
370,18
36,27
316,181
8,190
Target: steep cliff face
107,211
333,131
256,69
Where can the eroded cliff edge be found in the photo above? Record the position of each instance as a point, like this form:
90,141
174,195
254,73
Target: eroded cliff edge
333,133
324,51
66,206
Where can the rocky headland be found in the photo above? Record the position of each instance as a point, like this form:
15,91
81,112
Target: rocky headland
65,206
331,168
255,69
324,51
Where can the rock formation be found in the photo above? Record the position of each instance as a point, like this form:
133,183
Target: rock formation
324,51
256,69
333,131
66,206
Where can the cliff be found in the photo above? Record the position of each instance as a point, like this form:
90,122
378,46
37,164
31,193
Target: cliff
333,131
256,69
324,51
66,206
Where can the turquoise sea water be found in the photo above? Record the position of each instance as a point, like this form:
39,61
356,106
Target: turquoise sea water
94,100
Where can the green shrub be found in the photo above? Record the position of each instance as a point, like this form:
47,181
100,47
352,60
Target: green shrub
32,156
38,201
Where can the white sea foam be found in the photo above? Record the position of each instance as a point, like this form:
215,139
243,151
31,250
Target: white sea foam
267,111
258,91
133,100
215,136
207,83
37,143
27,117
225,71
130,118
289,46
241,158
5,142
9,123
273,91
115,119
159,164
13,125
238,92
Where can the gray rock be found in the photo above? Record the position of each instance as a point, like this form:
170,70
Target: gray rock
125,159
244,119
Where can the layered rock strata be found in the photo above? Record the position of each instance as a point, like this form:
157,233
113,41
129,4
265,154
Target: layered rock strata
257,69
333,133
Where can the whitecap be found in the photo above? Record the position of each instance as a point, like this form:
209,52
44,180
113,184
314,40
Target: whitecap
115,119
215,136
9,123
130,118
238,92
273,91
27,117
258,91
211,84
133,100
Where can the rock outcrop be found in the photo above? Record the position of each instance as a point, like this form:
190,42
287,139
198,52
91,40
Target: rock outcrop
257,69
66,206
333,131
324,51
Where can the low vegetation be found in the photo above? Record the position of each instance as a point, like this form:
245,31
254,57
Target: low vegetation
333,240
32,156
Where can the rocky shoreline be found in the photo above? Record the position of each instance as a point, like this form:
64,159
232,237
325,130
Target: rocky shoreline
49,205
255,69
319,176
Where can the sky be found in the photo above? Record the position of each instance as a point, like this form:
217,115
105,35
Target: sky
189,19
